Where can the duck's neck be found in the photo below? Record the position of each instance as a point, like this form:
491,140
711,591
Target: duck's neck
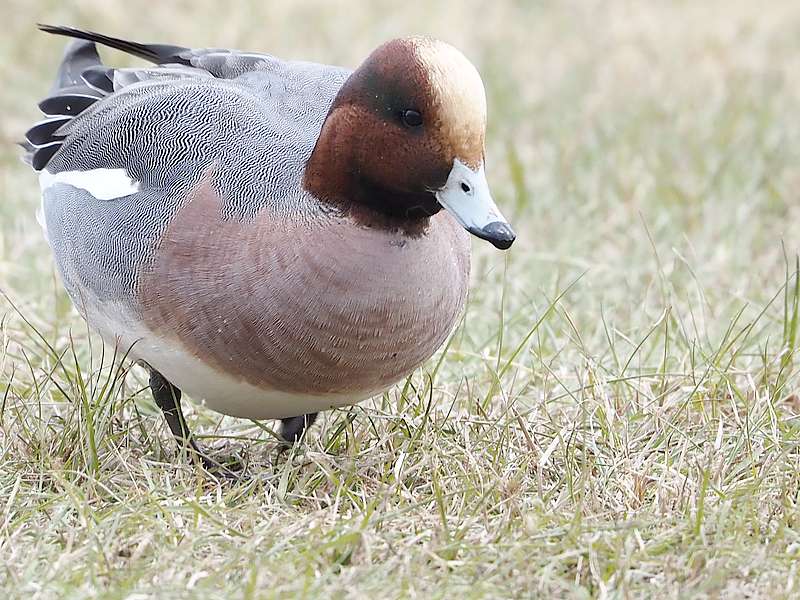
333,176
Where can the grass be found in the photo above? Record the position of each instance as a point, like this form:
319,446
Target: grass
616,416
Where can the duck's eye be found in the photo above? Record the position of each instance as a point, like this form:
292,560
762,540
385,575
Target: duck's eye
411,118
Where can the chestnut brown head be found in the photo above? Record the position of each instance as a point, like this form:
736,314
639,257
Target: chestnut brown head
405,138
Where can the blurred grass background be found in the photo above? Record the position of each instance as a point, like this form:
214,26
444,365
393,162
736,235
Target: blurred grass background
615,417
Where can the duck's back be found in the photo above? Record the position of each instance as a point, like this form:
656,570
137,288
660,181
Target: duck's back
124,166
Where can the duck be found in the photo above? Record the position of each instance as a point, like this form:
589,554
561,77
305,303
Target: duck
273,238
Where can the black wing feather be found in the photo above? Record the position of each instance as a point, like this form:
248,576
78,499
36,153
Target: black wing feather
78,57
70,95
44,132
100,78
67,105
42,156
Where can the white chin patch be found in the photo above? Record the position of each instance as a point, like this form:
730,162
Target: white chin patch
103,184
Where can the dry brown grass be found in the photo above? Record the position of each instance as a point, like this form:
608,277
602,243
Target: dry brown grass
615,417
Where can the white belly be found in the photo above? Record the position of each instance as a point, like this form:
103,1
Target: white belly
203,384
226,395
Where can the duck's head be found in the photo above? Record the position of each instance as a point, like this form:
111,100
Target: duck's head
405,138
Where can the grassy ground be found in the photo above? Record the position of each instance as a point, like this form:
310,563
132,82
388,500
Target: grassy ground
616,416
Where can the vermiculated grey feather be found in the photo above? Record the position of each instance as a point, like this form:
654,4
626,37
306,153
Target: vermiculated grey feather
164,125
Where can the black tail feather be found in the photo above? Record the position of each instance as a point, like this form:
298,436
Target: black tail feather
156,53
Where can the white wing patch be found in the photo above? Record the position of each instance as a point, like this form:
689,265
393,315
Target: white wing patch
103,184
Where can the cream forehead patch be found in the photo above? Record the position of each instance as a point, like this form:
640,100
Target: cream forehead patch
456,87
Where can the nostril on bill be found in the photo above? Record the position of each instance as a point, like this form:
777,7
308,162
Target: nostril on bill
500,234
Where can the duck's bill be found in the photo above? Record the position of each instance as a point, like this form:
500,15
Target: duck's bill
467,197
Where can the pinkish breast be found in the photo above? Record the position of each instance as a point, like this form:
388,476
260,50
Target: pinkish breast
304,305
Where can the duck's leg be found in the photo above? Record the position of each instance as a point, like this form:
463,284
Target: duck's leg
168,398
292,428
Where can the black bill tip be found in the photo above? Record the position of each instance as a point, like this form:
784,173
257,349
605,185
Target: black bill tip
498,233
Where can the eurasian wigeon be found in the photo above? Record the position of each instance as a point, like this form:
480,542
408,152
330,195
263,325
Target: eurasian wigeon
266,235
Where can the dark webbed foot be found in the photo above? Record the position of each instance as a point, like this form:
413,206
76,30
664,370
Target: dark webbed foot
292,428
168,399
